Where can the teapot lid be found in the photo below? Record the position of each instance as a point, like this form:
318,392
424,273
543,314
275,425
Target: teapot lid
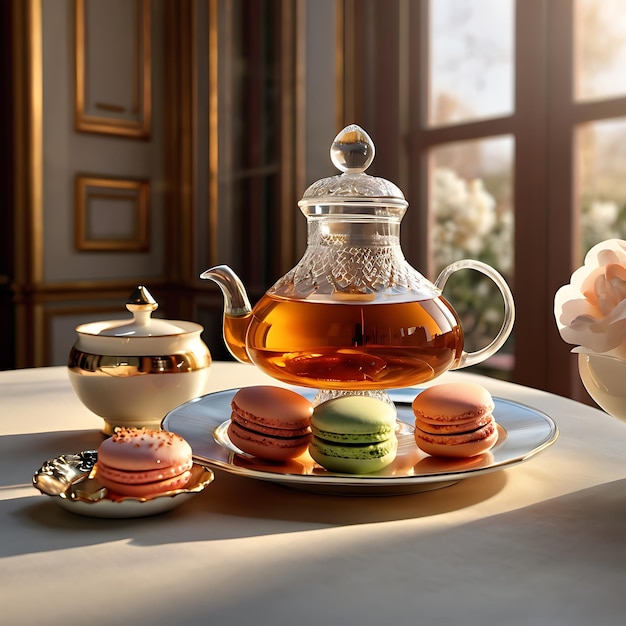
353,191
141,304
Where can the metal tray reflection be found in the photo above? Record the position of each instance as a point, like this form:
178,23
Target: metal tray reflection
524,432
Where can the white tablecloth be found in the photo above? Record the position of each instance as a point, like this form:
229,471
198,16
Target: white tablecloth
542,543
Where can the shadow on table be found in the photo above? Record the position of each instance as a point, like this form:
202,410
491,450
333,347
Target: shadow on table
559,562
223,511
554,562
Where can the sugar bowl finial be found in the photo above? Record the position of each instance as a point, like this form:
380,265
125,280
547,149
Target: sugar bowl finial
141,297
141,304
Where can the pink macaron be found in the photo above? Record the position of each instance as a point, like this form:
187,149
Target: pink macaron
455,420
142,463
270,423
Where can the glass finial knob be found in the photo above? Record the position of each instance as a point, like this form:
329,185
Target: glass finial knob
352,150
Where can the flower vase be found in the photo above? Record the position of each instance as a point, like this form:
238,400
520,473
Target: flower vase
604,378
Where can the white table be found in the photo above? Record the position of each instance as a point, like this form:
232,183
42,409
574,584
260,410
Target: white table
540,543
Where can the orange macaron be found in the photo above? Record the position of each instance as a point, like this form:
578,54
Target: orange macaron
455,420
141,463
270,423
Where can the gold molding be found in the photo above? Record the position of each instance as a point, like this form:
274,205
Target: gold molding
92,289
49,314
213,139
28,173
340,62
136,127
89,188
299,233
292,66
28,143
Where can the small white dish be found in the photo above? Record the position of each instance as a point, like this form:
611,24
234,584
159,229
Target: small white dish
68,480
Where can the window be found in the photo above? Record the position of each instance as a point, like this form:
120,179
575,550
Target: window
515,111
599,52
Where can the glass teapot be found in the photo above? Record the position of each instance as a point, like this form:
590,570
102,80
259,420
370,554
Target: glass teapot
353,315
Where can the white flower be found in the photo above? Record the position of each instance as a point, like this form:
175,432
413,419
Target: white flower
604,212
467,222
591,310
599,221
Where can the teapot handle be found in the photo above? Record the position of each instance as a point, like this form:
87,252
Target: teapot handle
472,358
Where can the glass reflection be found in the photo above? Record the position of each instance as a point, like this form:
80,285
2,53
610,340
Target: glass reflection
601,185
471,216
471,60
600,49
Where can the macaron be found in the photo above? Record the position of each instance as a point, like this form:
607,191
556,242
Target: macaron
354,434
141,463
271,423
455,420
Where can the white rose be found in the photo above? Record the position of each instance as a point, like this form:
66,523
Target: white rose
591,310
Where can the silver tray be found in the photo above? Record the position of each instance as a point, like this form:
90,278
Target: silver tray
523,432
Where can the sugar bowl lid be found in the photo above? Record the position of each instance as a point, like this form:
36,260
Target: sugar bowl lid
141,304
352,152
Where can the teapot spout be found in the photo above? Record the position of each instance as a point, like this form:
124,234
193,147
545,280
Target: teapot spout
237,309
236,301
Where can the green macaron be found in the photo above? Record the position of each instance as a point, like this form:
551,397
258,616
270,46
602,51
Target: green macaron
353,434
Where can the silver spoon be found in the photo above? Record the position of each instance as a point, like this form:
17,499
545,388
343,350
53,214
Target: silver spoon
58,477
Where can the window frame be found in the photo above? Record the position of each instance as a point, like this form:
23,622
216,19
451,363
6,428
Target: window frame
391,102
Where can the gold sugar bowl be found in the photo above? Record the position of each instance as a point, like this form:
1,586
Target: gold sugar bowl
132,372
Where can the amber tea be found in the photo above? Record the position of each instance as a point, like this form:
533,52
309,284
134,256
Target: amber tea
352,346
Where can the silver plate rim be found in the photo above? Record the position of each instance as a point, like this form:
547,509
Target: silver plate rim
529,431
